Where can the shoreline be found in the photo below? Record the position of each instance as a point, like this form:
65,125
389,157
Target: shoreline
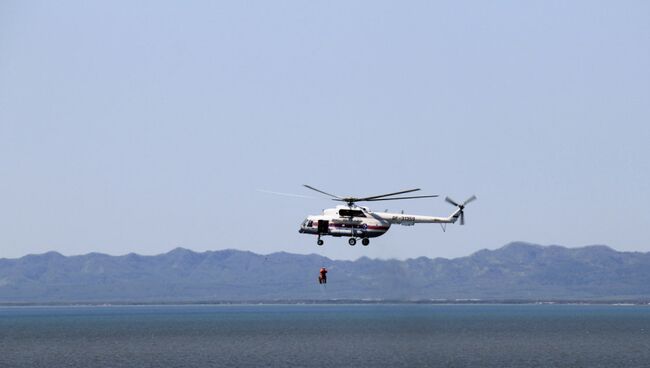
613,302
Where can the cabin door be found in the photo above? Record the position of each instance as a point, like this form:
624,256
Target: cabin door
323,226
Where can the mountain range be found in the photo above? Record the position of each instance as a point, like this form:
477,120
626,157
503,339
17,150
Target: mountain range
518,270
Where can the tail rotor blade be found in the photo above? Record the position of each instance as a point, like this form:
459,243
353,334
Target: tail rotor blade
461,207
470,199
449,200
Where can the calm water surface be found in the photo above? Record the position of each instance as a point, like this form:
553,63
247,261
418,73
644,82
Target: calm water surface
326,336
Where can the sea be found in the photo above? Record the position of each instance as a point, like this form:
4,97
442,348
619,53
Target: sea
375,335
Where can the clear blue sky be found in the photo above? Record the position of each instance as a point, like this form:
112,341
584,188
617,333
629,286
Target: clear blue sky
141,126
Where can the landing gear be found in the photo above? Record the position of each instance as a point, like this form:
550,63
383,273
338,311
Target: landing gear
319,241
352,241
365,241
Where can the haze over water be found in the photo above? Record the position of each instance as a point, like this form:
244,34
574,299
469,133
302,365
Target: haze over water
326,336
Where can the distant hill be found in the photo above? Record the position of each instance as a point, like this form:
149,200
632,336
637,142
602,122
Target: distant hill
515,271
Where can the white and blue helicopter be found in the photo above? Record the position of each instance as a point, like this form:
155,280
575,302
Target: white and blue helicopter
358,222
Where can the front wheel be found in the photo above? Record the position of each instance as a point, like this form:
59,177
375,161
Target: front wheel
365,241
352,241
319,242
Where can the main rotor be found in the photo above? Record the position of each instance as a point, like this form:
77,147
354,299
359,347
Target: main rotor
382,197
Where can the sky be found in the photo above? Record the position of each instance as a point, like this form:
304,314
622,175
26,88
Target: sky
144,126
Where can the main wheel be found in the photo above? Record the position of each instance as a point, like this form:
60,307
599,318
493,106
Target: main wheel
319,242
352,241
365,241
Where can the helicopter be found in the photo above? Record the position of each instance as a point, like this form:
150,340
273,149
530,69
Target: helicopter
359,222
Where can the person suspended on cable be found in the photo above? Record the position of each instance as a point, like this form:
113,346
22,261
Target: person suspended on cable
322,278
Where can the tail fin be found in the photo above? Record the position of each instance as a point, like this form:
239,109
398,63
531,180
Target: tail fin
460,211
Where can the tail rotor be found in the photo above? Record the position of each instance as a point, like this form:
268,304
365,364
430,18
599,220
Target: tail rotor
461,207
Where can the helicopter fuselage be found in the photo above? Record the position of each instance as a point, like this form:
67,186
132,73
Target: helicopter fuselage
360,222
355,221
345,221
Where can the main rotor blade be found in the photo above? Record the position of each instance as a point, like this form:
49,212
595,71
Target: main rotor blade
449,200
470,199
394,199
320,191
285,194
388,195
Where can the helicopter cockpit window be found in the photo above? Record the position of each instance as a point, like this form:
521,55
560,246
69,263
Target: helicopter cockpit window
351,213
